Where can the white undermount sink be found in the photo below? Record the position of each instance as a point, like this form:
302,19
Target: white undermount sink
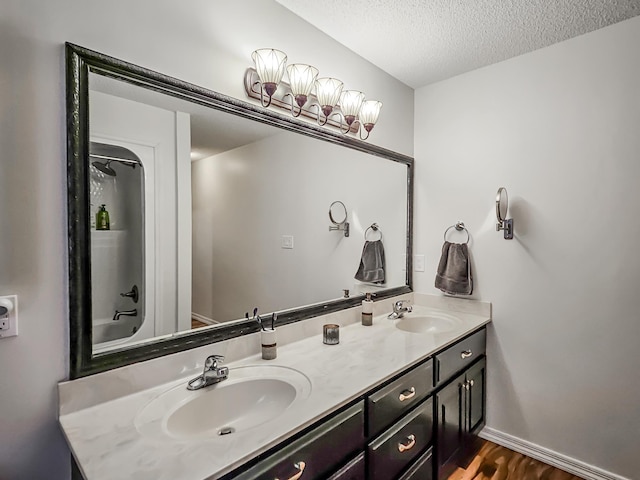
434,322
250,397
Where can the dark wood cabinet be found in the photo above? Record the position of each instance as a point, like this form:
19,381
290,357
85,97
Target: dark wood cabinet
459,356
389,403
460,410
417,426
476,396
354,470
422,469
393,452
450,423
317,454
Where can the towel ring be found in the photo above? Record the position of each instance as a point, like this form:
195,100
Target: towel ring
375,228
459,226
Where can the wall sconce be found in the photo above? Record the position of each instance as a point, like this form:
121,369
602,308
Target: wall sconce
502,207
352,114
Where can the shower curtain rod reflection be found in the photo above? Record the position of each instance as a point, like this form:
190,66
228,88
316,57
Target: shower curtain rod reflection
131,163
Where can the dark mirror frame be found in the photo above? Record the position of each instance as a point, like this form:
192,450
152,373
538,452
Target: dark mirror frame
79,62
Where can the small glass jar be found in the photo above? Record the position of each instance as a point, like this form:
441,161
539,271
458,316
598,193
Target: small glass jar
331,334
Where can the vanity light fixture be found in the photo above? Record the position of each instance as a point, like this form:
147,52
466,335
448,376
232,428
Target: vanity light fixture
328,91
270,65
301,79
350,102
346,110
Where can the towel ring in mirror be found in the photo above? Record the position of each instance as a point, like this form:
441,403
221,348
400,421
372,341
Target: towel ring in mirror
459,226
502,207
373,229
338,216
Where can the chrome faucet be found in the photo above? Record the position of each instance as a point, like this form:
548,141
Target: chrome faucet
212,373
125,313
400,308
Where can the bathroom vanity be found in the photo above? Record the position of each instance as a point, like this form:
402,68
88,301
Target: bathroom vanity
384,403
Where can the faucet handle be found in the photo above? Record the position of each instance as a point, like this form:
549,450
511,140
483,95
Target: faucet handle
212,361
402,304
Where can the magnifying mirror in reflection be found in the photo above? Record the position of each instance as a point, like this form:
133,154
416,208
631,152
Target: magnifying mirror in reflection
502,207
338,216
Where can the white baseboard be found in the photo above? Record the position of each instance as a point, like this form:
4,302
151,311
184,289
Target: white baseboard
203,319
563,462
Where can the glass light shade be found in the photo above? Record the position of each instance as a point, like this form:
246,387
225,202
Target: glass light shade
270,65
369,113
301,78
328,91
350,103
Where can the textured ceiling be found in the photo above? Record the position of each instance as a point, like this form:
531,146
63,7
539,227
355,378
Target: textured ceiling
423,41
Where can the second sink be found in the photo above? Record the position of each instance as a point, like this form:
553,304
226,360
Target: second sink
427,323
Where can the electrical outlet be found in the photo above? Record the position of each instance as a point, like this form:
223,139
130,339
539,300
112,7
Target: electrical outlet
418,263
9,317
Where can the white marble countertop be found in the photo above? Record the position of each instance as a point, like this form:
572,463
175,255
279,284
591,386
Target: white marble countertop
106,443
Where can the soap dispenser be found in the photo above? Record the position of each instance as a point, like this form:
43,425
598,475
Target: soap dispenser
367,310
102,218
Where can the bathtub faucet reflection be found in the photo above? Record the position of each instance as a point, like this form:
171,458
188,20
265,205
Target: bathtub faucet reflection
125,313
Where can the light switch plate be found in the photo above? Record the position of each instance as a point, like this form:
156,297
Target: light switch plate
9,321
287,241
418,263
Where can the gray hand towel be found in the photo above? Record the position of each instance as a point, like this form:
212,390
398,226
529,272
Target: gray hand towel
454,270
371,267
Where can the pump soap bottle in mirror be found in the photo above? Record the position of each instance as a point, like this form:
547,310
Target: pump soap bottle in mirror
367,310
102,218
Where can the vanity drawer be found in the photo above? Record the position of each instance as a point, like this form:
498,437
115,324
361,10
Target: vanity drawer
422,469
317,454
354,470
391,402
396,448
459,356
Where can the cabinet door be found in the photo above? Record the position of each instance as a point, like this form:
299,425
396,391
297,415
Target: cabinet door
476,383
450,412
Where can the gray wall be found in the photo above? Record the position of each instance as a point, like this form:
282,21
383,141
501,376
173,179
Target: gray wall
560,128
284,185
204,42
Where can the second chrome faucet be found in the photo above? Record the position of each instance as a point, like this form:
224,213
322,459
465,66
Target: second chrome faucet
399,309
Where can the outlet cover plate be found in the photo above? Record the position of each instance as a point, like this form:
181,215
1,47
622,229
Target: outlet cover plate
9,322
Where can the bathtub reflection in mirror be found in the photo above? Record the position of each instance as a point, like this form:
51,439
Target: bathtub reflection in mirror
116,192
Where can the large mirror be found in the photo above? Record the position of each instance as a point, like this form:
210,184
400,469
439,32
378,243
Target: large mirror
188,209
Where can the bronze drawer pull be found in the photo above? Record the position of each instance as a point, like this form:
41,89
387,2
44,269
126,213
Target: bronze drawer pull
407,394
300,466
408,446
466,354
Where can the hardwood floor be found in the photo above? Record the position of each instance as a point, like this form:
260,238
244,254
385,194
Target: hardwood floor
494,462
197,323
